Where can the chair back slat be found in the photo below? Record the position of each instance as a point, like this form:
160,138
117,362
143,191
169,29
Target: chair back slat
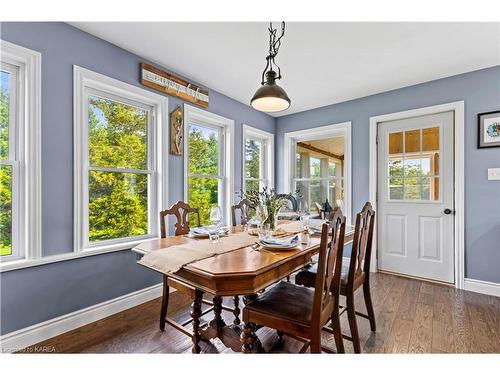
244,206
362,242
291,198
327,288
180,210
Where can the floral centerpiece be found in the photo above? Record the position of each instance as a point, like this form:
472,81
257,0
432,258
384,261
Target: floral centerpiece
269,199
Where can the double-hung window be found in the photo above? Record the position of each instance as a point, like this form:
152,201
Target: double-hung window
258,148
119,167
208,161
20,236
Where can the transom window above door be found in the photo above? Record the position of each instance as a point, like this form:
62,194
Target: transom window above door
413,164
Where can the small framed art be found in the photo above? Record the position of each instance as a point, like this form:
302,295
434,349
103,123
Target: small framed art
488,124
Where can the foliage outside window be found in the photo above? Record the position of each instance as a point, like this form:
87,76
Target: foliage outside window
204,166
119,169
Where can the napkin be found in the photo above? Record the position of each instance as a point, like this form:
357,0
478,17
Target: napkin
285,242
209,229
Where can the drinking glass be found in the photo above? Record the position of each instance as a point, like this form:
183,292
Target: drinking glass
216,219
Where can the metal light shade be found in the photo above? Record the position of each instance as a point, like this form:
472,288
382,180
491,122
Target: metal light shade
270,97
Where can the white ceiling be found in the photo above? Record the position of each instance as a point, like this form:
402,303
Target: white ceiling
322,63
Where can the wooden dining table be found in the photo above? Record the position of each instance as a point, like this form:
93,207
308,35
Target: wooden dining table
242,272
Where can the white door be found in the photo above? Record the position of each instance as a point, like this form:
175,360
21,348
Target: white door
415,197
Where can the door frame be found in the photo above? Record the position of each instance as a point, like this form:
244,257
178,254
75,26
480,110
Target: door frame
459,179
342,129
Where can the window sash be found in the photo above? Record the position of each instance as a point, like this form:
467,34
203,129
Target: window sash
151,171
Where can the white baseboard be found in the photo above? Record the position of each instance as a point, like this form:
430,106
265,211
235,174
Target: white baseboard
25,337
484,287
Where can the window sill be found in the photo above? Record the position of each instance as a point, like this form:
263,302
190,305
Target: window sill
26,263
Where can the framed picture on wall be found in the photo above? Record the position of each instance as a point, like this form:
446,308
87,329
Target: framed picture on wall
488,124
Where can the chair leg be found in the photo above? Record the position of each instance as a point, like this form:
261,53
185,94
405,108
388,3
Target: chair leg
337,332
164,304
351,315
316,343
369,305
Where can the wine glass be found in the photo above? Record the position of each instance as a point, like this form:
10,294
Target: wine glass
216,219
261,214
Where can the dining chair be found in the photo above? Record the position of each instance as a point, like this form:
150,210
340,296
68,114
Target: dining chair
293,201
180,210
301,312
355,274
244,206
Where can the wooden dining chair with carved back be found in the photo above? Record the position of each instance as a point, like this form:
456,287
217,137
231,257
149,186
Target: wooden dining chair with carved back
181,210
244,206
301,312
355,274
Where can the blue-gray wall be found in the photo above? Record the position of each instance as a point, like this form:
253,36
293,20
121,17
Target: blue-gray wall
32,295
481,92
36,294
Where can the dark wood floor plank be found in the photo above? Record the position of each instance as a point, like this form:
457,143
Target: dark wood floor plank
412,316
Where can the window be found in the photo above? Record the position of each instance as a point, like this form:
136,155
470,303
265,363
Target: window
19,154
413,165
318,167
208,157
119,165
258,148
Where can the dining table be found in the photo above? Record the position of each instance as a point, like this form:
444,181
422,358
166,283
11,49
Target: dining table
242,272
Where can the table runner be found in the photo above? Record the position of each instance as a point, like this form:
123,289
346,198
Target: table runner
173,258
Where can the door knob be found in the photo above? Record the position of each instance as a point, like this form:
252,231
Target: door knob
448,211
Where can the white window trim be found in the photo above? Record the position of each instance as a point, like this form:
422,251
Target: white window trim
342,129
83,78
195,114
268,138
29,63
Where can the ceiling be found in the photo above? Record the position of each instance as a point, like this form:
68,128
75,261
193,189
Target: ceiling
333,145
322,63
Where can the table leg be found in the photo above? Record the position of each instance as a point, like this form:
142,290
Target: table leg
219,322
196,314
236,310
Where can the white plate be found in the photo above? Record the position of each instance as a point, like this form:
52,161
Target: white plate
222,232
278,247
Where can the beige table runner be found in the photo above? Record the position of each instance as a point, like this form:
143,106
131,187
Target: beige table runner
173,258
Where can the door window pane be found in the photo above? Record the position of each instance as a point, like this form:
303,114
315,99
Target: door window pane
4,114
430,139
117,134
203,150
396,143
5,210
412,167
412,189
396,189
118,205
412,141
395,166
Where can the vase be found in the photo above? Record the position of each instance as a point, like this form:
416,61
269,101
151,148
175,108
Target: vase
272,221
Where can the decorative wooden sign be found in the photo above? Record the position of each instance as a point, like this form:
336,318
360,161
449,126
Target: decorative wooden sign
176,131
172,85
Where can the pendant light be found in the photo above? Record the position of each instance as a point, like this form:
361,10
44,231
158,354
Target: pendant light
271,97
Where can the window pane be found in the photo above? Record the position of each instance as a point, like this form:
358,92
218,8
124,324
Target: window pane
315,167
336,193
252,185
253,161
117,134
430,188
332,168
395,167
203,194
412,189
412,140
5,210
4,115
203,150
316,193
118,205
302,189
396,143
430,139
412,167
395,188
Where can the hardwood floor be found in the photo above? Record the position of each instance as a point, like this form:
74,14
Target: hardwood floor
412,317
